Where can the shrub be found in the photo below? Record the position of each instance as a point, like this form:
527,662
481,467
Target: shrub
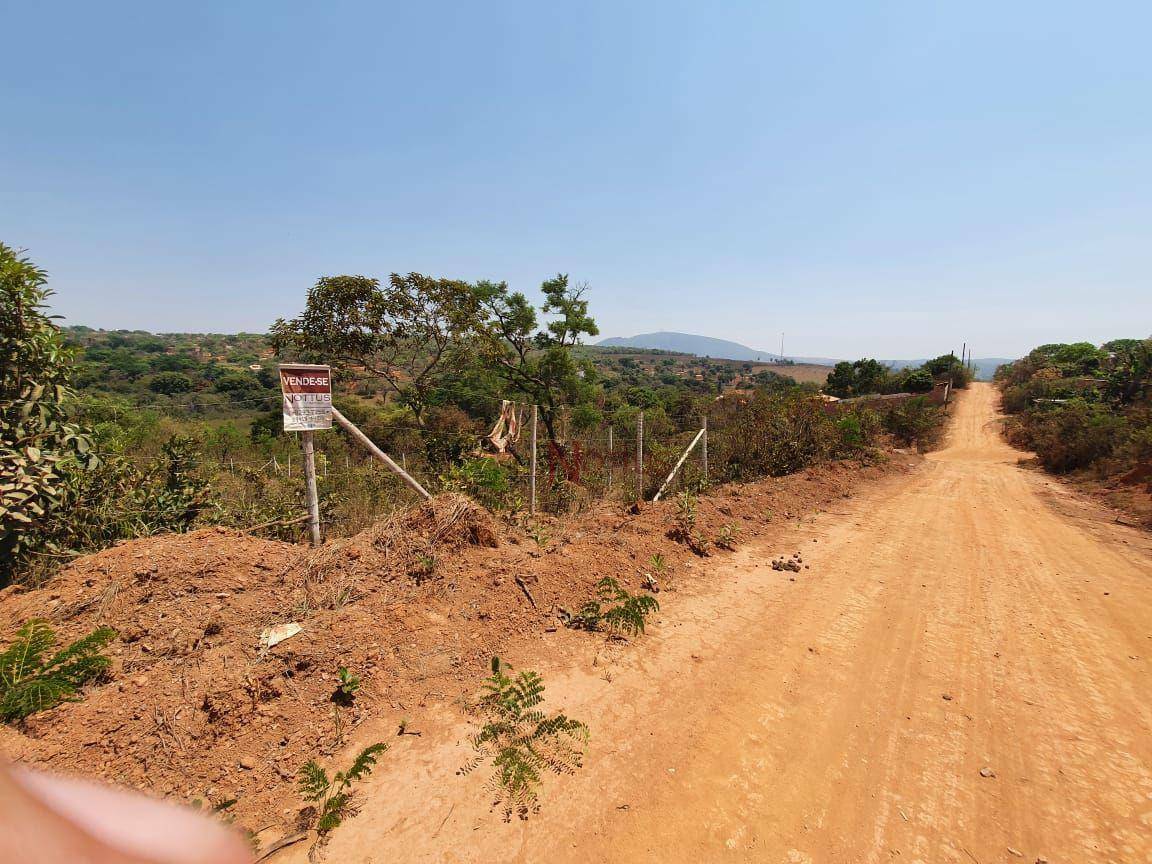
485,480
857,379
917,421
918,381
521,741
1074,434
38,443
772,435
117,500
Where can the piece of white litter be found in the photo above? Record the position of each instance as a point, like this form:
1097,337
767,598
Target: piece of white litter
275,635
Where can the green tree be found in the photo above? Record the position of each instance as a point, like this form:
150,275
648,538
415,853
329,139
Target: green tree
37,441
170,383
918,381
840,380
1129,370
856,379
406,333
533,359
240,385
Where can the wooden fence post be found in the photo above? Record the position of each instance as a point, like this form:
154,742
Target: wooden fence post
640,456
532,479
310,487
610,449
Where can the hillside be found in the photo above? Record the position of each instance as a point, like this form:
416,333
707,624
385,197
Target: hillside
230,374
708,346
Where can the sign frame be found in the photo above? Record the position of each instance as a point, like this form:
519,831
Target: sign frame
306,390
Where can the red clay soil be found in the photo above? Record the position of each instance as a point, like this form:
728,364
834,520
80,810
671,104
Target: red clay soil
194,708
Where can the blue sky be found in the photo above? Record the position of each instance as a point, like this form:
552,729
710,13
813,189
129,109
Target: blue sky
873,178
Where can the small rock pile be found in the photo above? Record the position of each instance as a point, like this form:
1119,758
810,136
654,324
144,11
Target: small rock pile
792,563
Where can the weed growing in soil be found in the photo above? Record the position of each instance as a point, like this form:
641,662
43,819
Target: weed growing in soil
626,613
423,568
522,741
537,533
29,683
346,687
684,529
657,568
332,795
728,536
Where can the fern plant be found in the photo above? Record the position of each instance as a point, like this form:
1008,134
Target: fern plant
522,742
32,681
331,795
614,608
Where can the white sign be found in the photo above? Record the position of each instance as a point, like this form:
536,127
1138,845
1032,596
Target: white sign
307,397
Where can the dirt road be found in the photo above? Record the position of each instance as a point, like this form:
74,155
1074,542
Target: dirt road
962,675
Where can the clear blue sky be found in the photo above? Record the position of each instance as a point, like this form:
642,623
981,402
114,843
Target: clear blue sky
874,178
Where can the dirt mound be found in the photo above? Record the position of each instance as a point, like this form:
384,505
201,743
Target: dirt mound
195,706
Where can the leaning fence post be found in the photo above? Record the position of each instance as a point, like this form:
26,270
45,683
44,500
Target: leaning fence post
640,456
351,428
676,467
532,478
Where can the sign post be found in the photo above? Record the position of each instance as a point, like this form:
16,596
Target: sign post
307,393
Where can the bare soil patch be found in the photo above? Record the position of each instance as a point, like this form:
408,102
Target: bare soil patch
195,707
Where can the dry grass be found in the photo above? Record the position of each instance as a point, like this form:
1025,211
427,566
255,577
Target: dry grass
404,543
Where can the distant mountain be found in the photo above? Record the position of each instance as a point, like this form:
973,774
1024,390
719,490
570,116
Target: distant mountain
707,346
703,346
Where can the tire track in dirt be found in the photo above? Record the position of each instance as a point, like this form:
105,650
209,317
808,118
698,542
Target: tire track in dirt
952,621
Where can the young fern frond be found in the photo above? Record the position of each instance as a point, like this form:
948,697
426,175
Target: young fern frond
625,613
333,795
29,684
332,813
82,660
363,764
31,643
314,783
